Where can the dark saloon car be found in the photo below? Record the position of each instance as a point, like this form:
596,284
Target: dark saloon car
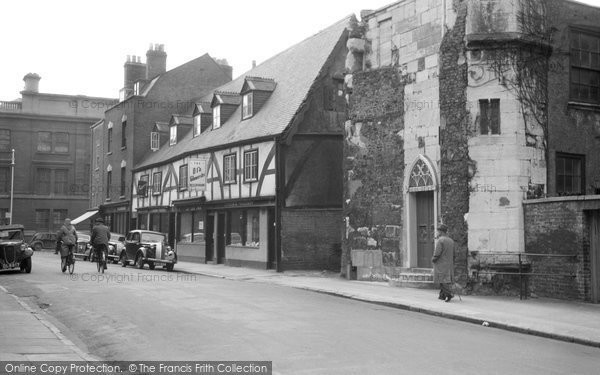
14,252
116,245
147,247
43,240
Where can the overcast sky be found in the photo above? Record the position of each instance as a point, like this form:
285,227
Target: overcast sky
79,47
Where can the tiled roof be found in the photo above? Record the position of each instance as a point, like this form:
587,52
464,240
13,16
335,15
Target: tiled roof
161,127
226,97
260,84
294,70
181,120
202,107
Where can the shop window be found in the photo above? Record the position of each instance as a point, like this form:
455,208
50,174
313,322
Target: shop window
244,228
570,174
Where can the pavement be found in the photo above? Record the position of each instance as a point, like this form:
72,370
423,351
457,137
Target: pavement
28,334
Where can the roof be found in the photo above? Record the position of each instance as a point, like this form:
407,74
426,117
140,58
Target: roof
161,126
11,227
202,107
181,120
294,70
225,97
259,84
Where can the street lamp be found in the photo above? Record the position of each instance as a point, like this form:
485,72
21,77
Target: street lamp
12,184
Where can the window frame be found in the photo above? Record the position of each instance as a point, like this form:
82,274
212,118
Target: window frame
65,190
40,183
123,182
216,117
227,172
9,145
489,115
144,177
124,134
154,137
254,167
109,141
582,170
55,142
5,187
581,67
39,142
108,183
197,128
173,135
247,105
180,185
154,180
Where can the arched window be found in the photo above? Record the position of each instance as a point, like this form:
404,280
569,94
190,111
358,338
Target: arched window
421,178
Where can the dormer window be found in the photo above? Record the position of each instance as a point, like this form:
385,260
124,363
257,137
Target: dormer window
247,107
137,88
173,135
154,141
197,124
216,117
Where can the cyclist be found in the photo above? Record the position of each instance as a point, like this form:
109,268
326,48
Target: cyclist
99,238
67,237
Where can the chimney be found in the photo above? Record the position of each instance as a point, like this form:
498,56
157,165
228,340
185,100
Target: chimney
32,81
134,71
227,69
156,61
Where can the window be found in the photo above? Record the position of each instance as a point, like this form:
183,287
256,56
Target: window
61,179
585,67
229,169
137,88
183,177
61,142
197,125
247,106
5,179
42,219
109,143
244,228
570,175
251,165
154,141
124,134
123,178
5,140
143,183
43,181
489,116
108,183
156,183
173,135
58,218
44,142
216,117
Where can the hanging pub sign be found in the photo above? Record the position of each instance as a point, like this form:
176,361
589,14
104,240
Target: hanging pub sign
197,174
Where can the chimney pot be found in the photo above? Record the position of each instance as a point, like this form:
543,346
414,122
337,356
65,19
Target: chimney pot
32,81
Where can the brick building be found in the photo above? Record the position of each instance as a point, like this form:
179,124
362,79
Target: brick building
254,179
464,112
50,136
121,139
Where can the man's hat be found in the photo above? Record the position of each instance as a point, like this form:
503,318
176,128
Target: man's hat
442,228
99,220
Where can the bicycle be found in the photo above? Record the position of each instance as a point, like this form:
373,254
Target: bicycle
100,258
68,262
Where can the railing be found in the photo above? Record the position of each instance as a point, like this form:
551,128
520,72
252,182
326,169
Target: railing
10,106
522,266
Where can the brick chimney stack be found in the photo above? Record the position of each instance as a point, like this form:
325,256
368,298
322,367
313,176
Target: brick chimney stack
32,81
156,61
227,69
135,70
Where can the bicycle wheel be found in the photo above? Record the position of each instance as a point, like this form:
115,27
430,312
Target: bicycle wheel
71,264
99,263
63,264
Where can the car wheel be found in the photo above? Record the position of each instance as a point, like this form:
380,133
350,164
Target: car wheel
28,265
151,265
123,260
170,266
37,246
139,261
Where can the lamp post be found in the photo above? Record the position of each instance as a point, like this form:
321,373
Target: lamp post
12,184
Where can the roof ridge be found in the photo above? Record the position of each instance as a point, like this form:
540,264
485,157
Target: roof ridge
223,92
257,78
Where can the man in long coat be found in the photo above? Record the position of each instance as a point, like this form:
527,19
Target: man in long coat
443,263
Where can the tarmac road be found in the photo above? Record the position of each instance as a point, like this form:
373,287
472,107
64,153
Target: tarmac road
131,314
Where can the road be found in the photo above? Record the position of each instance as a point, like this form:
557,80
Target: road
131,314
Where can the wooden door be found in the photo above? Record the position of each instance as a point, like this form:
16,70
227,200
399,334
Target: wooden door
425,229
271,255
220,237
595,255
209,231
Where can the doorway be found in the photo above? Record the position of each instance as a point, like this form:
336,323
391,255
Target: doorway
209,237
595,255
271,255
219,239
425,228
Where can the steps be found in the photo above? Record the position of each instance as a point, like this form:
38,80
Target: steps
420,278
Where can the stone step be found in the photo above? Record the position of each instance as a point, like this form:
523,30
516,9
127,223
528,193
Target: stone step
412,284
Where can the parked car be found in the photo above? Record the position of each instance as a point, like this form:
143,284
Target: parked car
83,245
116,245
43,240
14,251
147,247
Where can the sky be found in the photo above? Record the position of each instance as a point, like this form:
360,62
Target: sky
79,47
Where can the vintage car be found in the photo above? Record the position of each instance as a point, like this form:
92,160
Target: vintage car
14,252
147,247
43,240
116,245
83,245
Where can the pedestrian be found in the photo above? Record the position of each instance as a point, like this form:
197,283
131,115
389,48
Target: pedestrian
66,238
99,238
443,263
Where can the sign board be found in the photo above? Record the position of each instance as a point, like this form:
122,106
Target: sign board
197,174
8,214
